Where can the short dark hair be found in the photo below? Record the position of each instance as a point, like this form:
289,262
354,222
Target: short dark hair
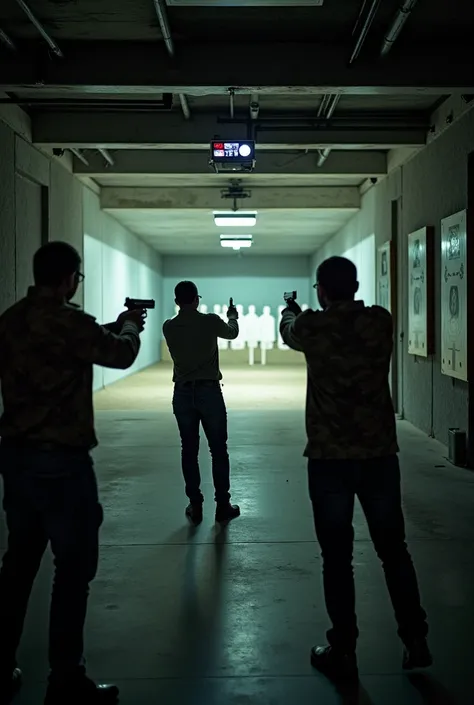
185,293
338,277
54,262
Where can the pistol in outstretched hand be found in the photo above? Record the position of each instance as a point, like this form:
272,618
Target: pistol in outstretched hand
139,304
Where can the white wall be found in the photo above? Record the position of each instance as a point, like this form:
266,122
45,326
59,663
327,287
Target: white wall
249,280
362,253
117,264
429,187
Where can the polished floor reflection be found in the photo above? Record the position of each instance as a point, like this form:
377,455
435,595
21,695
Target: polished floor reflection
208,616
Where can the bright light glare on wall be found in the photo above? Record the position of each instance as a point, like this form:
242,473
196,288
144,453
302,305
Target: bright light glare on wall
236,220
236,242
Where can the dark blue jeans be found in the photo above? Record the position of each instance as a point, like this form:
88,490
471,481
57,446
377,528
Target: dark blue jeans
333,485
49,496
195,403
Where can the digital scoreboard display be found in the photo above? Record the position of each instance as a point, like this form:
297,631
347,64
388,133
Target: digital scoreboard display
233,151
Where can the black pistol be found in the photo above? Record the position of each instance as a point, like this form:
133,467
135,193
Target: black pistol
289,296
134,304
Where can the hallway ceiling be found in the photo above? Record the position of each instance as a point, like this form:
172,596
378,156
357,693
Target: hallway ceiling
192,232
152,92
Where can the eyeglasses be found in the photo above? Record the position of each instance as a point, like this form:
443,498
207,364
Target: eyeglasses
80,277
315,286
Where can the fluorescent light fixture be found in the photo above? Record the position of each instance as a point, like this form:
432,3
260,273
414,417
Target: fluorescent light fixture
236,243
236,220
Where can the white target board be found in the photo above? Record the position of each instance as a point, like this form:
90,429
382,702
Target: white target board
420,292
454,296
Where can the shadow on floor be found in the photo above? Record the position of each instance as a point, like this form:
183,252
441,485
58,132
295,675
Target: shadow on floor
431,690
353,694
200,615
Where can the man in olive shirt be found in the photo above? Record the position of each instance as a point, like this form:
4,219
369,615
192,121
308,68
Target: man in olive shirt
192,341
352,450
47,351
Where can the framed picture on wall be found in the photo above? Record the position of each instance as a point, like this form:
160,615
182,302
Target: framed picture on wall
386,294
454,296
420,292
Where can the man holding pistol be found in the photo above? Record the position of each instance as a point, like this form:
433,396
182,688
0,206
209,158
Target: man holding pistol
47,351
192,341
352,450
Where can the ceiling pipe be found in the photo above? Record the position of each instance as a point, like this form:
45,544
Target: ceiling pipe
7,40
323,155
334,100
362,36
324,104
52,44
77,153
254,106
396,27
331,104
231,102
185,106
161,13
107,156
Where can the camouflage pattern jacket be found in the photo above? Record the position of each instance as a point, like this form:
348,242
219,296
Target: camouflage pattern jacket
349,410
47,351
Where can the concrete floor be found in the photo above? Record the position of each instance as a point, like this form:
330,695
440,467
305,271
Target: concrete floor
207,617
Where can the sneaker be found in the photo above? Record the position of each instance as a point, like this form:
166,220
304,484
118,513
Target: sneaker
194,513
417,655
9,686
335,664
227,512
81,692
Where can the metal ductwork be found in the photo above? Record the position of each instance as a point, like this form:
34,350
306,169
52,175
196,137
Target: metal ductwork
161,13
396,27
51,43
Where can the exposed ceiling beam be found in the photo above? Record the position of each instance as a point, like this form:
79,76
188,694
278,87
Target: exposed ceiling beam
363,164
169,131
288,68
327,197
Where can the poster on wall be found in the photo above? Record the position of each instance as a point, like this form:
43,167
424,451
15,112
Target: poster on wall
420,292
385,279
454,353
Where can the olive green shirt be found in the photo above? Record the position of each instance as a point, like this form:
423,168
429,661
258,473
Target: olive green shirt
192,341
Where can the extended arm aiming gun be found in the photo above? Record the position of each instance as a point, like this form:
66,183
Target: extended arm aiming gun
135,304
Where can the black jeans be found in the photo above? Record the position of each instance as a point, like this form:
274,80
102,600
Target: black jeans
333,485
49,496
202,402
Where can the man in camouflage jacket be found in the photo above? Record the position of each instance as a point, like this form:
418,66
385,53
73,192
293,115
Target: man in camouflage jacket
48,348
352,450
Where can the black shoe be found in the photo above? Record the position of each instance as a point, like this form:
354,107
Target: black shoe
81,692
194,513
335,664
226,512
10,686
417,655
